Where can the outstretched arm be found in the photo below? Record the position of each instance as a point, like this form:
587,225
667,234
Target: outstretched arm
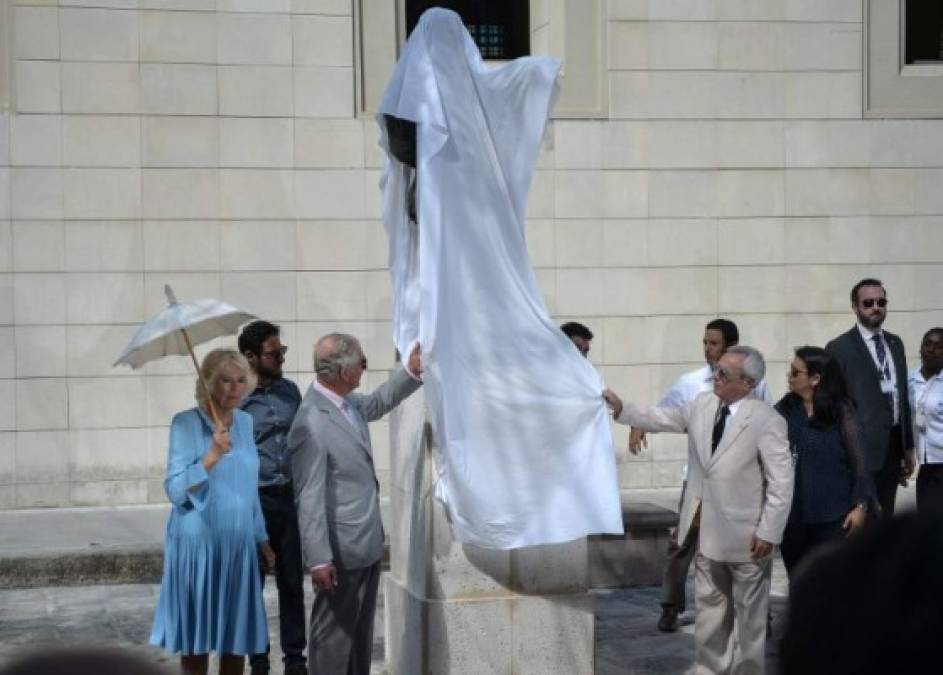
647,418
391,393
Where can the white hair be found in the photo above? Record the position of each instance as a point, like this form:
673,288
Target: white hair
754,366
346,352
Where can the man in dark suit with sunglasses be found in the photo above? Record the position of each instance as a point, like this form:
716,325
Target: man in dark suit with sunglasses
875,370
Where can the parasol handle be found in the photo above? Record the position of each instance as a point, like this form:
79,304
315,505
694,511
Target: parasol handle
172,300
199,373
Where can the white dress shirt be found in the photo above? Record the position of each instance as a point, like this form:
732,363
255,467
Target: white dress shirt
926,402
867,335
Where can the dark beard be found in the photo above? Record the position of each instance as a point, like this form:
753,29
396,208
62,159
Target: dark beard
872,322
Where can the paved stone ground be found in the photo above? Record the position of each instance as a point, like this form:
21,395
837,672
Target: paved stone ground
627,642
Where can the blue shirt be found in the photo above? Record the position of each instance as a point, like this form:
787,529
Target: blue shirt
273,409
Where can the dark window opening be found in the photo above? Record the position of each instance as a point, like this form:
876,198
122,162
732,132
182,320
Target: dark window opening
500,28
924,31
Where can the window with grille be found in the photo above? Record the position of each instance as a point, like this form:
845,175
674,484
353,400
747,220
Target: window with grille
500,28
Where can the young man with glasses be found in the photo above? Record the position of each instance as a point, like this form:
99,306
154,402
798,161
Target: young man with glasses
273,405
875,369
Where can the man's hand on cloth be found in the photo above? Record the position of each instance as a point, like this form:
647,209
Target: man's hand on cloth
613,401
414,363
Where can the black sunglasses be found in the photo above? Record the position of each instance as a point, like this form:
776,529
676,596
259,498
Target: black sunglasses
869,303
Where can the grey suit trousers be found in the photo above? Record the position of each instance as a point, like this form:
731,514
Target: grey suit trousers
725,592
341,638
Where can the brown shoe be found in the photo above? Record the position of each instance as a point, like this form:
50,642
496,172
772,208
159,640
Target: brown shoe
668,623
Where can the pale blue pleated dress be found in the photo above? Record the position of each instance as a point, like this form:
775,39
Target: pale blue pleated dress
211,594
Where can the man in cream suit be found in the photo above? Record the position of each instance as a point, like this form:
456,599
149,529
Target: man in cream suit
740,481
337,499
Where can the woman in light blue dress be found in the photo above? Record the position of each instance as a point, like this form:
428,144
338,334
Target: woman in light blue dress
211,595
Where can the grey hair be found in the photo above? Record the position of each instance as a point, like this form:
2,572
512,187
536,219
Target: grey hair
212,368
345,354
754,366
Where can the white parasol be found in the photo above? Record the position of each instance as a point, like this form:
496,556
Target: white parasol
180,326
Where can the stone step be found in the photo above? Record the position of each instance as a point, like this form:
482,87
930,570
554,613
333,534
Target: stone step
92,567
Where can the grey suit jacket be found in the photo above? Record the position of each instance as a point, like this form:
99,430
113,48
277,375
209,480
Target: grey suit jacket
864,386
744,487
336,489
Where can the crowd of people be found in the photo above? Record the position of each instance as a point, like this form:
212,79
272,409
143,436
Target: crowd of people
263,479
807,474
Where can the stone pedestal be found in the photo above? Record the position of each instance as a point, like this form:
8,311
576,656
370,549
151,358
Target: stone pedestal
638,557
454,609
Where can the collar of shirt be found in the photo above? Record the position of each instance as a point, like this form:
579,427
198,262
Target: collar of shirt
331,396
916,376
867,333
705,374
279,387
733,407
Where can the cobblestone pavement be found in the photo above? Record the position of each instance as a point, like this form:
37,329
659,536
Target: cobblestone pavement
627,642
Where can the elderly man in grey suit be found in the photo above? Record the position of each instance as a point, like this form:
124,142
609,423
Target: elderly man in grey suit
740,481
337,498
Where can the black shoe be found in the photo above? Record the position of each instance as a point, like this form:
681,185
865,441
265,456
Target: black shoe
296,668
261,668
668,623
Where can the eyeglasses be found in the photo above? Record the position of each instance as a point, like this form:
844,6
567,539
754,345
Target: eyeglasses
795,372
277,353
725,375
869,302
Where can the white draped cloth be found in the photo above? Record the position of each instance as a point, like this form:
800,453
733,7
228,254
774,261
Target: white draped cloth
525,453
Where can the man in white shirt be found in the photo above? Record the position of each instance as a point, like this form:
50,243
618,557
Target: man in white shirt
719,335
875,369
925,386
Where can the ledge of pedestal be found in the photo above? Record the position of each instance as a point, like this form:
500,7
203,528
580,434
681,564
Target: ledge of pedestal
524,635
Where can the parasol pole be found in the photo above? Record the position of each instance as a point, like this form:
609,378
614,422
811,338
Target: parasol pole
172,300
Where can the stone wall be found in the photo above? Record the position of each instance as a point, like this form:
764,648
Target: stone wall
216,145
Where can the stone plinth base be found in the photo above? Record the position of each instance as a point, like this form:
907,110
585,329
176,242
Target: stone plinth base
638,557
453,609
479,636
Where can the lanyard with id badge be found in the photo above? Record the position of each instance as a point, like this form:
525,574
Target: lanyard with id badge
887,385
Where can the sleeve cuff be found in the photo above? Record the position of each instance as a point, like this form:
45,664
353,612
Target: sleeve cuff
197,484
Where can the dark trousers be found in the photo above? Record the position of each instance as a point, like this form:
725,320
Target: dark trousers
341,639
679,561
930,489
799,539
887,477
281,523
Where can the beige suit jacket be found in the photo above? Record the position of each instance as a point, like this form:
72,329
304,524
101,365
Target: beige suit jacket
744,488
